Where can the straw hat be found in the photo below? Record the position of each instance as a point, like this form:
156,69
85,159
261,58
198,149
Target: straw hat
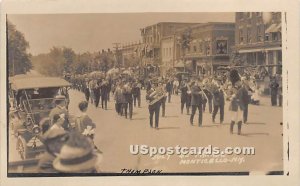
76,156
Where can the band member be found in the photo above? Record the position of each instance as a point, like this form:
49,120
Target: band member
169,88
246,97
96,91
218,102
118,98
184,96
104,94
197,100
128,99
153,108
136,91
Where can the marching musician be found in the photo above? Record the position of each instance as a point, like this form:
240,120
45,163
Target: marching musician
196,102
127,91
104,94
218,102
154,106
184,96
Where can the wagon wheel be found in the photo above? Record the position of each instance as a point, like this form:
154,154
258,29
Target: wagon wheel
22,148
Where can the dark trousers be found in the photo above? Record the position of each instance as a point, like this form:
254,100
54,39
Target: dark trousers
152,111
104,101
127,106
194,108
209,105
186,105
97,100
137,99
245,113
169,97
119,108
274,99
215,111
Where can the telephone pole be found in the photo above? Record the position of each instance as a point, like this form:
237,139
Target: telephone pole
117,53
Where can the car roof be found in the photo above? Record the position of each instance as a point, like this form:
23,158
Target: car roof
28,82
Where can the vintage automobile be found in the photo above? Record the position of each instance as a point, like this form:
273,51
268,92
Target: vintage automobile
31,100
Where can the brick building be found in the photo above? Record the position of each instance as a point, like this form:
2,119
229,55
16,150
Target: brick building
209,47
258,38
152,37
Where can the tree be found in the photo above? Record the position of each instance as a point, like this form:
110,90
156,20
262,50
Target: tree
18,59
52,63
69,56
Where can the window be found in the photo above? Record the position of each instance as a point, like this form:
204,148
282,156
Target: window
258,14
195,49
267,37
170,52
259,34
241,37
249,35
201,47
275,36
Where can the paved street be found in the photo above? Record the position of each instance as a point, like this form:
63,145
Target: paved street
114,134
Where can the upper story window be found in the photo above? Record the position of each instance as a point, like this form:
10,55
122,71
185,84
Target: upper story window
241,36
249,38
259,33
195,48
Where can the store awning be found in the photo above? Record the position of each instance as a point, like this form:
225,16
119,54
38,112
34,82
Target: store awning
273,28
258,50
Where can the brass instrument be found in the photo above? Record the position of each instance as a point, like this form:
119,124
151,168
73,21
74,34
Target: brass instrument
156,96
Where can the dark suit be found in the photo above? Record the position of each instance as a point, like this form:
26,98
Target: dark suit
104,95
153,109
196,103
169,88
245,100
218,102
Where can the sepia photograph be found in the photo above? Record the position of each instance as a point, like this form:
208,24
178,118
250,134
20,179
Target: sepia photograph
133,94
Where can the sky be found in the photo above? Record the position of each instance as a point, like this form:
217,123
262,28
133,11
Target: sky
94,32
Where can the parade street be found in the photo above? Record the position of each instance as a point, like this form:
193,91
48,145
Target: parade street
114,135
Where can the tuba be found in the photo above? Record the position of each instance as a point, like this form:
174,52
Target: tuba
156,96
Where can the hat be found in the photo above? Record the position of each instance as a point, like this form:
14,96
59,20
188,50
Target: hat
76,156
53,133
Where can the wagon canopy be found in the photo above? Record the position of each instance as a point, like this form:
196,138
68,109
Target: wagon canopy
37,82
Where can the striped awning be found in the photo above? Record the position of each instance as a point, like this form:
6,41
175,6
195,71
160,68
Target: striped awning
273,28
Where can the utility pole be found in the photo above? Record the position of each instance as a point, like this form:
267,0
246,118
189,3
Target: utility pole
116,47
